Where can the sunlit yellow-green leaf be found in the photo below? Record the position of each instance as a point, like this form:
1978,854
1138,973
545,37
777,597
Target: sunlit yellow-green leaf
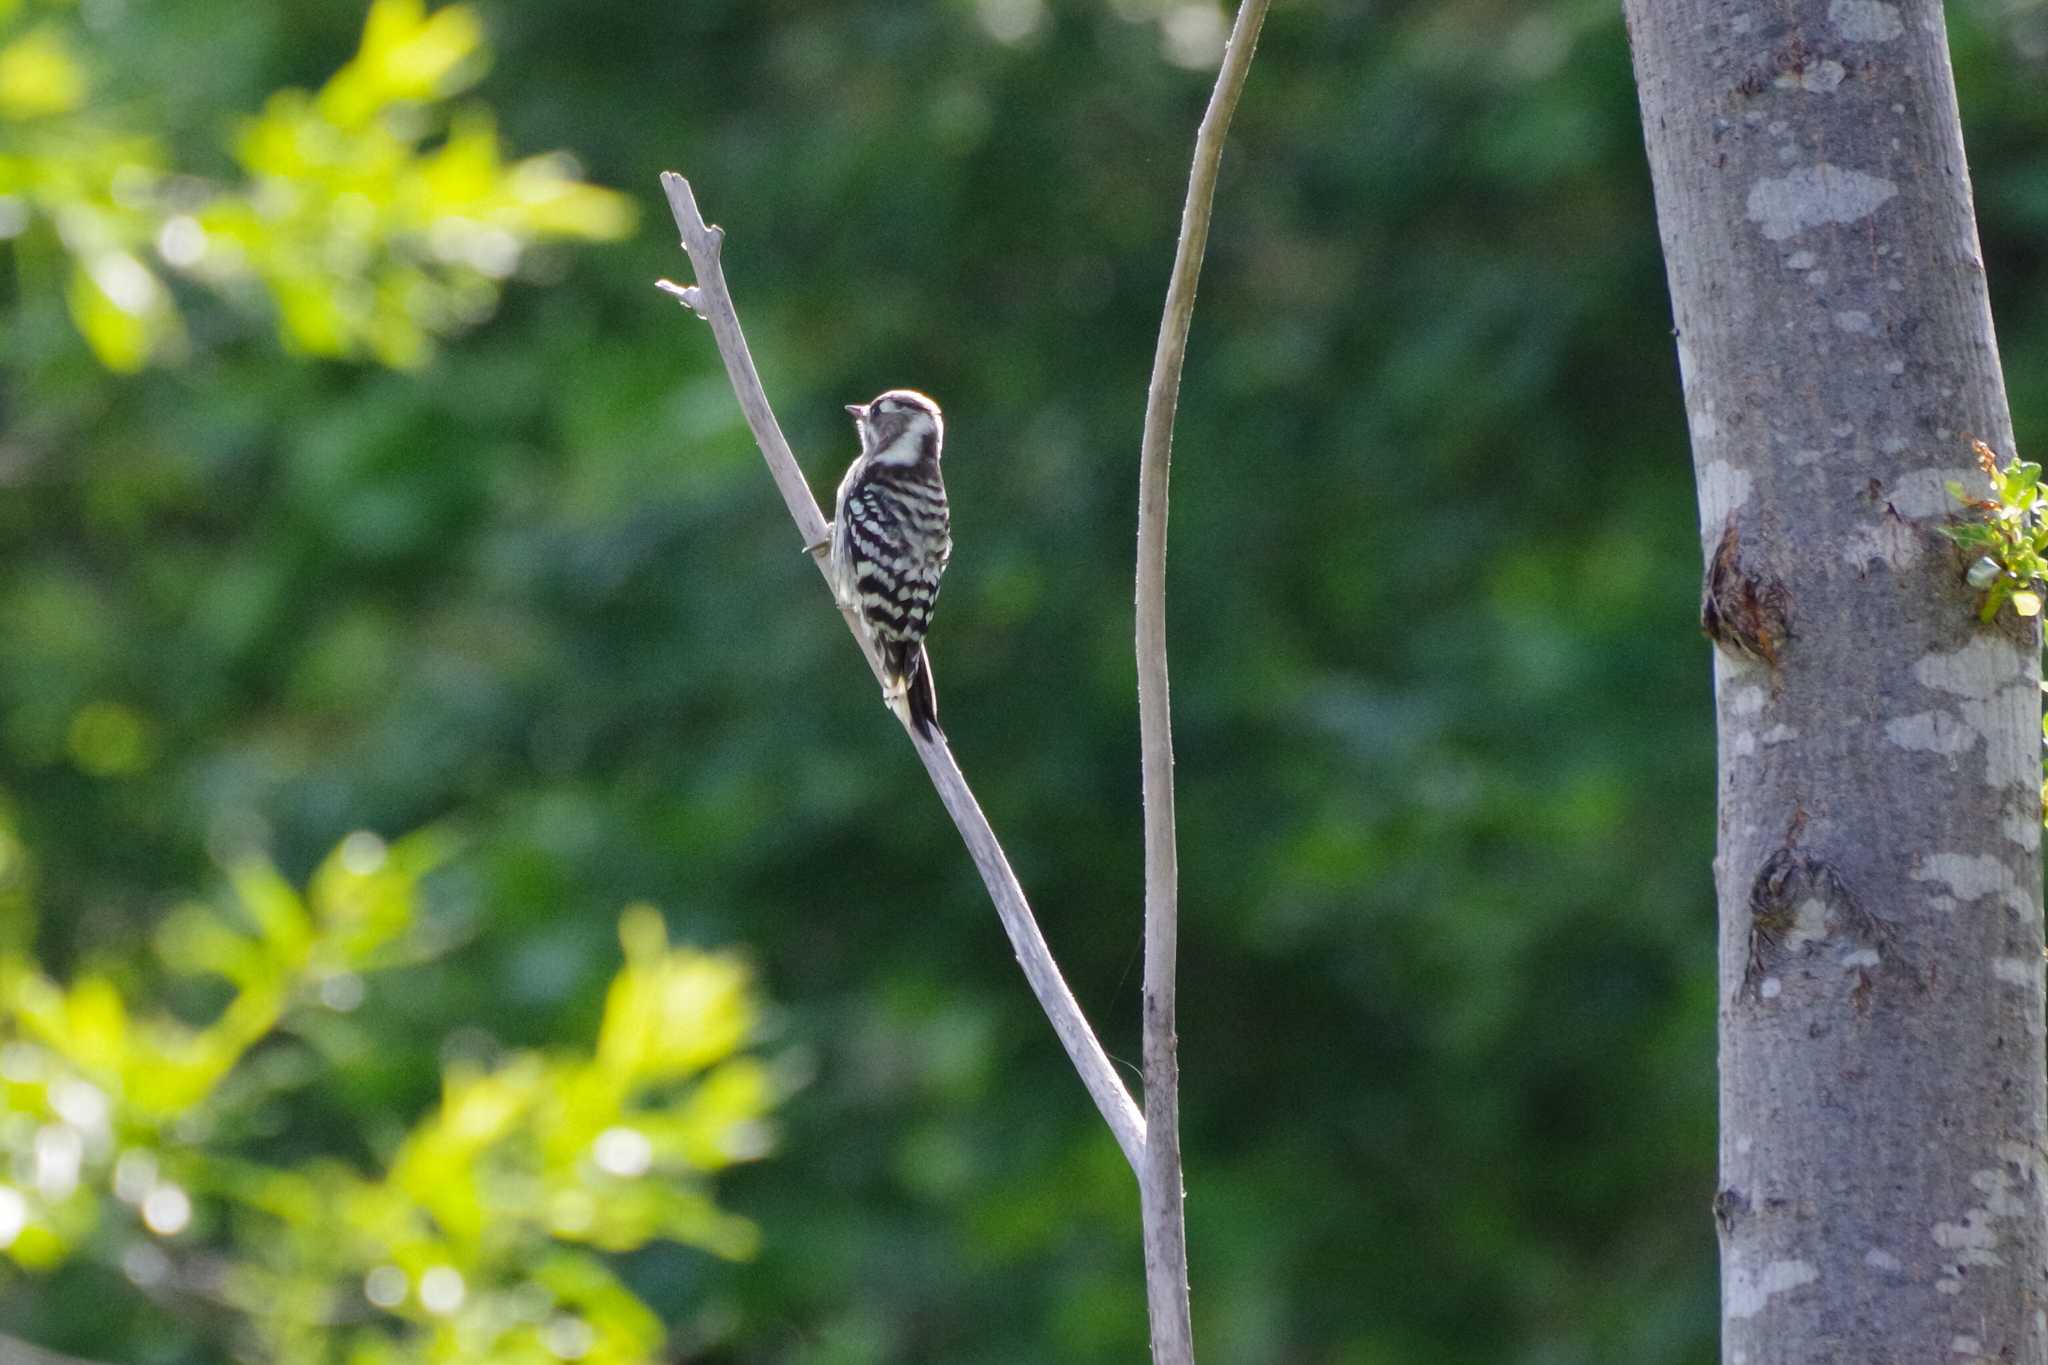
406,55
465,170
108,739
670,1012
310,311
39,76
392,334
721,1121
38,1247
443,1183
253,1013
122,310
96,1025
580,1101
232,219
437,57
170,1088
479,1109
364,895
273,907
690,1217
172,1068
274,143
30,997
553,203
192,940
437,1164
643,934
627,1327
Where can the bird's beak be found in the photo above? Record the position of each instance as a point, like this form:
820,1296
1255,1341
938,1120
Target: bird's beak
857,411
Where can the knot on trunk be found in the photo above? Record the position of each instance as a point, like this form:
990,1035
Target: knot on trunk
1799,908
1741,611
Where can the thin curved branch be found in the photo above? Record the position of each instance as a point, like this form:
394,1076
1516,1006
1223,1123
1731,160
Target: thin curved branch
710,300
1159,1179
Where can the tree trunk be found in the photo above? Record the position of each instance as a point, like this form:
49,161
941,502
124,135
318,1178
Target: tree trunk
1879,877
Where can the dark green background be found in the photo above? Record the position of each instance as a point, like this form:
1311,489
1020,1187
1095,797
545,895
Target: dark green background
1442,710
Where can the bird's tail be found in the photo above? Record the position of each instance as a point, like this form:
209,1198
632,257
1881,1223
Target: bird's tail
924,696
920,697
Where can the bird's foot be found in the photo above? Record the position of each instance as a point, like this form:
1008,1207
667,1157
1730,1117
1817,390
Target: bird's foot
896,696
820,547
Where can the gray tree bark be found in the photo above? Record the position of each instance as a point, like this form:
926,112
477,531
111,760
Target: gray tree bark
1879,876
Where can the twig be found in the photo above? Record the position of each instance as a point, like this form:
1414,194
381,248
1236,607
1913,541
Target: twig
710,300
1159,1178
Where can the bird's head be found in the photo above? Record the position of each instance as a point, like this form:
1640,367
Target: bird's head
901,426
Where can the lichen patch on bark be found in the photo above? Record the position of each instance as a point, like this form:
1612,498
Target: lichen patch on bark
1821,78
2022,828
1971,877
1784,206
1723,487
1996,699
1746,1293
1974,1240
2018,971
1978,669
1747,701
1939,732
1922,492
1866,21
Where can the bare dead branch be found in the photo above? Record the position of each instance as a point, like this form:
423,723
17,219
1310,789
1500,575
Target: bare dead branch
1159,1178
710,300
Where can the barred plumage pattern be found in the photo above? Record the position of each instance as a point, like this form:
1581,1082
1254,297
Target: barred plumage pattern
891,538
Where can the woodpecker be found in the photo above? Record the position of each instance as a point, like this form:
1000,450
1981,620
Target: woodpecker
891,537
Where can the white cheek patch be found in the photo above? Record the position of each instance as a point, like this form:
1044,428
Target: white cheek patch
906,447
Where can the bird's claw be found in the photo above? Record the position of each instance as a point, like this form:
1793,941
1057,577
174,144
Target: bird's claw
896,696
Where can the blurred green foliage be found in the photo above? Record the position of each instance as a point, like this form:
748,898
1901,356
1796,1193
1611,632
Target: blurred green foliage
364,243
1445,744
134,1139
